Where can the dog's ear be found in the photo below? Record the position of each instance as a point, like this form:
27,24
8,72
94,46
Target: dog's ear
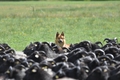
62,33
57,34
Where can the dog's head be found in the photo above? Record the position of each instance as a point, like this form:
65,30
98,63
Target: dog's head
60,39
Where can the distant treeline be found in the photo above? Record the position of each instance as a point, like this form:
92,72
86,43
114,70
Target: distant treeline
59,0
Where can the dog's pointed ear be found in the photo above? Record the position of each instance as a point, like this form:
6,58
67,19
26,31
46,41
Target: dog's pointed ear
62,33
57,34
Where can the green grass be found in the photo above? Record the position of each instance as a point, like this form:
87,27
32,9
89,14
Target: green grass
25,22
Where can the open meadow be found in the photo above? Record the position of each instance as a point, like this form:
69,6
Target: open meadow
25,22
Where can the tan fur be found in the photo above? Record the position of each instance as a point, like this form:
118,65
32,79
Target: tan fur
60,40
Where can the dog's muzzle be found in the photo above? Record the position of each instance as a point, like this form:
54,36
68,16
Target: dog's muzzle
60,41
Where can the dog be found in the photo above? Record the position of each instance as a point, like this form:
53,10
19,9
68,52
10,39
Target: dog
60,40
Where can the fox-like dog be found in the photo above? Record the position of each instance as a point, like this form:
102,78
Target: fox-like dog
60,40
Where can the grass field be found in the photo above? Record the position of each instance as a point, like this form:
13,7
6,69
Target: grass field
25,22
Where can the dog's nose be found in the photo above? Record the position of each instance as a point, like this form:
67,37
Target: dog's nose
60,41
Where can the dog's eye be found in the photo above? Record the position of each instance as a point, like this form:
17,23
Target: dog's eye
61,38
